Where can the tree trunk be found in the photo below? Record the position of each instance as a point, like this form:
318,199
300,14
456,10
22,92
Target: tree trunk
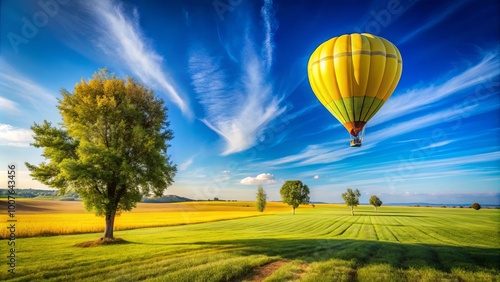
110,223
293,210
352,210
375,208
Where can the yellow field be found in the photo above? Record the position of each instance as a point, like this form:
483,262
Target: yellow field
38,218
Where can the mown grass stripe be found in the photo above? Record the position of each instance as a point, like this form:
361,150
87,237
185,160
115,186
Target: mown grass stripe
216,271
331,231
341,229
368,232
376,228
388,228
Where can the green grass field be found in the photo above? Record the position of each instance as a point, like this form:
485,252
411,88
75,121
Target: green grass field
321,244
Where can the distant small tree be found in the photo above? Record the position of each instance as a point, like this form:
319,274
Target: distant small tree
294,193
476,206
375,201
261,199
351,198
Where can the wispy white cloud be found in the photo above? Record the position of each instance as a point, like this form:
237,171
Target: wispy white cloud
329,127
418,123
456,5
414,100
16,137
453,116
324,172
120,36
324,153
309,152
410,173
452,165
238,106
316,176
267,14
459,161
193,174
436,145
263,178
335,154
26,88
20,88
185,165
8,105
382,183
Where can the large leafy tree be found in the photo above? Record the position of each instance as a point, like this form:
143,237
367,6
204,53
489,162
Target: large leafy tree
261,199
351,198
294,193
375,201
111,147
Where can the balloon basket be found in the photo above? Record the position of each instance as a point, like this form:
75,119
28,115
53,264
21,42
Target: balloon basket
357,141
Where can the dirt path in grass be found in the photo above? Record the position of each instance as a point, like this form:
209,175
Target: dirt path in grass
265,271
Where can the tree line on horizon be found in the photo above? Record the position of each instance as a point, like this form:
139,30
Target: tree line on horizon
294,193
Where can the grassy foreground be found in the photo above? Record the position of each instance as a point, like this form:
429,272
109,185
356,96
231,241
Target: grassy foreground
321,244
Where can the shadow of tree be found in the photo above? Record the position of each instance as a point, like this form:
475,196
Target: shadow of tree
364,252
389,214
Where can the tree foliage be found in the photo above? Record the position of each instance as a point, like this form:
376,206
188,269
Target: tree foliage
476,206
111,147
375,201
261,199
294,193
351,198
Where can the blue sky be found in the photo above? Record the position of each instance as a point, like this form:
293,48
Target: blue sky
234,76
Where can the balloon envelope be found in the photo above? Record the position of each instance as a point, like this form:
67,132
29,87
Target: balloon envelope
353,75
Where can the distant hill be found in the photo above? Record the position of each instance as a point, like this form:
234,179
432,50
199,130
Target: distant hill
53,195
40,194
166,199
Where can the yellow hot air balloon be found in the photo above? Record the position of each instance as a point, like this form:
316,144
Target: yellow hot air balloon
352,76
